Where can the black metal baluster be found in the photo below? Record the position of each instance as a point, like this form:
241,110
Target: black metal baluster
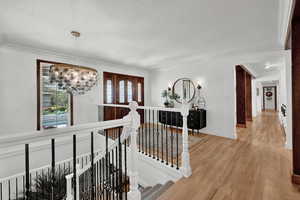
110,181
149,132
125,165
120,165
92,167
1,196
153,142
98,189
143,131
9,190
171,152
17,188
162,140
146,132
167,162
139,140
27,172
106,163
177,160
157,135
42,187
117,174
74,168
101,178
113,173
52,167
36,195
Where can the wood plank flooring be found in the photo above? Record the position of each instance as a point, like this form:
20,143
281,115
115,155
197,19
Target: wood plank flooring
254,167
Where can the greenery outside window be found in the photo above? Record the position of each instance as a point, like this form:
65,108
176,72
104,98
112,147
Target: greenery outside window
55,105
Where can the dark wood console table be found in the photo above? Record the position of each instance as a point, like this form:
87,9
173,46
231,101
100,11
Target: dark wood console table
196,119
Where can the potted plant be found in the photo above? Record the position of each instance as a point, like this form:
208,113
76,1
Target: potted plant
169,98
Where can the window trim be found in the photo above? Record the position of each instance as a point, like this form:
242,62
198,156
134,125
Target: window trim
38,79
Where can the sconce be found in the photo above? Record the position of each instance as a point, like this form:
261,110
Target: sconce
199,86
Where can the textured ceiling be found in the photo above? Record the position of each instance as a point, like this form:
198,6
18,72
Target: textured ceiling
145,33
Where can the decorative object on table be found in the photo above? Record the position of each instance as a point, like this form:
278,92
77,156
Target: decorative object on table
199,102
169,97
186,88
77,80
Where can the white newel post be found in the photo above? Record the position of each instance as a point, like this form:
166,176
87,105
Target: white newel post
185,156
134,193
69,178
69,187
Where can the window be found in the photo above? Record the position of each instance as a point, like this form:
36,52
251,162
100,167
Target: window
139,92
122,88
109,92
121,92
54,105
129,91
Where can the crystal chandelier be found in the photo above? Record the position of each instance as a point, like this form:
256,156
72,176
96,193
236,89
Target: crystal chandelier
74,79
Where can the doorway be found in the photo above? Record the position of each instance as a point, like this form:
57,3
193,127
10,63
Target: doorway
121,89
243,96
270,98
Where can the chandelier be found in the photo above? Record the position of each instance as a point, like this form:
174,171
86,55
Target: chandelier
76,80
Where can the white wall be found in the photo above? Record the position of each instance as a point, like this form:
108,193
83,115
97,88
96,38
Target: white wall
288,80
218,87
18,107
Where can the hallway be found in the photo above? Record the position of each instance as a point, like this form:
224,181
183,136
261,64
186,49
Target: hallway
254,167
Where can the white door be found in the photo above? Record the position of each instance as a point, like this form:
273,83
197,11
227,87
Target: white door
270,98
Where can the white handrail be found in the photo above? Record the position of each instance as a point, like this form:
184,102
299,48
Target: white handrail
37,136
143,107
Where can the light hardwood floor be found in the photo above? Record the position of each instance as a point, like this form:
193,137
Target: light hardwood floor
254,167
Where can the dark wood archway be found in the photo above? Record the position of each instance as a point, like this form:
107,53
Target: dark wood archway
296,92
243,96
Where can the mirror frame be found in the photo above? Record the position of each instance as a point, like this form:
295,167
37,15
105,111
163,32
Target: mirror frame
182,79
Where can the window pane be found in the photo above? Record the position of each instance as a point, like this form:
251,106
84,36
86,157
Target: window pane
55,103
121,92
129,91
109,93
139,92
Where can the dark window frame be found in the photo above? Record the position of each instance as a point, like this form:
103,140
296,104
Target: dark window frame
38,78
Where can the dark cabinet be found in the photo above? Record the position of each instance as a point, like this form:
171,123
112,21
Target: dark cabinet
196,119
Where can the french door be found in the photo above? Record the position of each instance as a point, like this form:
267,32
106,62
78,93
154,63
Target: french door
121,89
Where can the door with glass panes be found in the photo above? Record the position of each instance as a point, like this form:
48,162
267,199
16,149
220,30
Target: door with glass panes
121,89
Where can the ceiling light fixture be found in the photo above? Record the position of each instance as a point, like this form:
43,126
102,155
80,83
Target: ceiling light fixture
75,79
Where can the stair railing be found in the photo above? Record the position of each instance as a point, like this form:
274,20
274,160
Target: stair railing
163,133
28,186
110,167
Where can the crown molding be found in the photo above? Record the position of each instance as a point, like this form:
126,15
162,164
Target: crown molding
285,10
42,51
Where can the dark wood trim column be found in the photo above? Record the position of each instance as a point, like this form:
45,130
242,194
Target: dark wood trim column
240,97
248,86
296,92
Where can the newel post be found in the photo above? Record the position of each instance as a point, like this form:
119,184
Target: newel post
185,156
134,193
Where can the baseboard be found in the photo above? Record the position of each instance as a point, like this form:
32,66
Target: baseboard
296,179
241,125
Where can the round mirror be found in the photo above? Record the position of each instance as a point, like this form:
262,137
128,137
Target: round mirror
184,90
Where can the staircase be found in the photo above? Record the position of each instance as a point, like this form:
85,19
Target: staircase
153,192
